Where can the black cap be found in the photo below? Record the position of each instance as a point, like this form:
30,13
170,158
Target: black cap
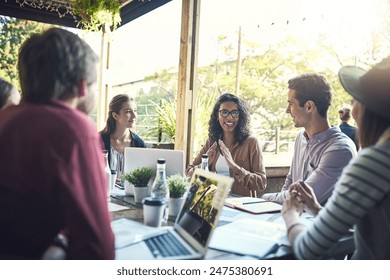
372,88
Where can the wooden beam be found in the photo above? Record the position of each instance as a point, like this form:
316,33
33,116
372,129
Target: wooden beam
188,63
104,79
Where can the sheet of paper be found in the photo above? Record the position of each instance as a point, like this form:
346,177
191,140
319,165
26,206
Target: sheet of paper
128,232
112,207
249,237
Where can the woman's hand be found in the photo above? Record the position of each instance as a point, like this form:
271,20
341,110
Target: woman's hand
292,206
226,154
306,195
212,150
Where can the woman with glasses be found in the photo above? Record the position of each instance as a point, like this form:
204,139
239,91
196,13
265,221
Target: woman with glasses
231,148
117,134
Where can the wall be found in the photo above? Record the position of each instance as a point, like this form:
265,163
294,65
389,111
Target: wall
276,176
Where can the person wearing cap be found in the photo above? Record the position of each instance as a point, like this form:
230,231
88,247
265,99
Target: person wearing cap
361,198
321,152
349,130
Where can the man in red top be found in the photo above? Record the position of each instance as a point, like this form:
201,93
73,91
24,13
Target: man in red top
52,177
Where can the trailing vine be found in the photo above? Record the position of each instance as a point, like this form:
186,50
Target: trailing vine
96,15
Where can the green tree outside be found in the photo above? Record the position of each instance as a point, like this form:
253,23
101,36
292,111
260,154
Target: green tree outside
13,32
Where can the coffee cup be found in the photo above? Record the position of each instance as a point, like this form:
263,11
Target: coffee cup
153,209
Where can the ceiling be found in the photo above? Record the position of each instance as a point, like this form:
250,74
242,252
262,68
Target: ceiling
37,10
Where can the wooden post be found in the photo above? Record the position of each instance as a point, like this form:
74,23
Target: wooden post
104,79
238,70
188,62
277,140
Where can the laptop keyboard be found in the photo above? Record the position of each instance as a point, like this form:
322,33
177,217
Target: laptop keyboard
166,245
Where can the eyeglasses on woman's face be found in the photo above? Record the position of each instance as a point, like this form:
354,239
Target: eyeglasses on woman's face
225,113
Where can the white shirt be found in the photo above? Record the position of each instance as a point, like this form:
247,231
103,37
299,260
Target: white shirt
221,166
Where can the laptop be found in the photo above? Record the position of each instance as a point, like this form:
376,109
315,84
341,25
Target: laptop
147,157
194,225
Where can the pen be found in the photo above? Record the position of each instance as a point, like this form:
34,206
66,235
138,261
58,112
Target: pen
254,202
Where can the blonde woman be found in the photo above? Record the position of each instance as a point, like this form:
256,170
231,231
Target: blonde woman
117,134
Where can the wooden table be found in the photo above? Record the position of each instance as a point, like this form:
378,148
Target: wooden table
134,212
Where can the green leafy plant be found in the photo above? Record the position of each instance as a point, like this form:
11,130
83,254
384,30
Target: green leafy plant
177,185
166,119
97,14
139,177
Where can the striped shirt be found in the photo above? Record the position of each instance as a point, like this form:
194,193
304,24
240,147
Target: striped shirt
361,199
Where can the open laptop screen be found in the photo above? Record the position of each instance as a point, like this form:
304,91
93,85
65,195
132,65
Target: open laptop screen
147,157
203,204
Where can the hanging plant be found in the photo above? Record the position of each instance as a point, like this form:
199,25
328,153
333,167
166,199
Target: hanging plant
96,15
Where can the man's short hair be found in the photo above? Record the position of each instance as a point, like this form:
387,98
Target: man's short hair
345,114
312,87
53,63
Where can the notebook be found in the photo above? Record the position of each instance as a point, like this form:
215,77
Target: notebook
194,225
250,237
253,205
147,157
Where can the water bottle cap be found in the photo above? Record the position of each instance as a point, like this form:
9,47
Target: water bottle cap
205,155
161,160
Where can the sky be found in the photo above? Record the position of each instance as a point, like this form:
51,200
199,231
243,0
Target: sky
151,42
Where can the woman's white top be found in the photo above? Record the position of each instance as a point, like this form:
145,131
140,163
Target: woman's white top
117,162
221,166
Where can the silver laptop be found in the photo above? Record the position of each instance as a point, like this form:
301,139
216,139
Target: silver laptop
194,225
147,157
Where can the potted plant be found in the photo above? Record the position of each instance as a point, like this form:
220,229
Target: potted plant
95,15
140,178
177,185
166,124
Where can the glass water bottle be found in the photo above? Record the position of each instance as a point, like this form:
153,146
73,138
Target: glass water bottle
160,186
205,162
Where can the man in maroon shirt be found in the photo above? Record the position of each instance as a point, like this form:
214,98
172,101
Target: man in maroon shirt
52,177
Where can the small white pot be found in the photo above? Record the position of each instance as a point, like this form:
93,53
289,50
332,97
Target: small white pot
129,189
175,205
140,193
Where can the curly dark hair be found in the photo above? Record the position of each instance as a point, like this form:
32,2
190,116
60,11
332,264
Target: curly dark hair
242,130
